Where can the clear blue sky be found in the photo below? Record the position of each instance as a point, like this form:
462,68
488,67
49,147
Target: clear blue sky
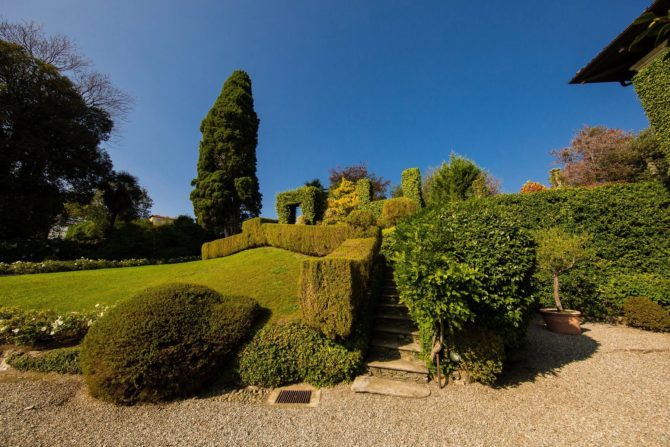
395,84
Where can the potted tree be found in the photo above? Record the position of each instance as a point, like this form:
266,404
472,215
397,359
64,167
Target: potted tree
558,252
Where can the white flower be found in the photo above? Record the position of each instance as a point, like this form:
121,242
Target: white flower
43,329
16,331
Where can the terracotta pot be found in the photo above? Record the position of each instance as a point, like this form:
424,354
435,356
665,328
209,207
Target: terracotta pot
566,322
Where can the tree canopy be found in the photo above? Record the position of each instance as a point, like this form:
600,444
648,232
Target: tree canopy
226,190
49,144
355,173
457,180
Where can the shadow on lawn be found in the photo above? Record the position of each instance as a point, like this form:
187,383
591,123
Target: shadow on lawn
545,354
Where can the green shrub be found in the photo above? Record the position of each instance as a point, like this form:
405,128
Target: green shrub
361,220
642,312
44,328
225,246
313,240
375,208
292,352
411,186
25,268
620,287
395,209
332,289
310,199
465,262
62,361
364,191
163,343
482,354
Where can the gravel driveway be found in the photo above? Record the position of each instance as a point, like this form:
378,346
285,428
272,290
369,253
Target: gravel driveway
609,386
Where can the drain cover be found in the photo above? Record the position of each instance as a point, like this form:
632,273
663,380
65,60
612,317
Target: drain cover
293,397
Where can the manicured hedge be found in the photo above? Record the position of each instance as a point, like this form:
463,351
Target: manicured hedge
629,226
62,361
164,343
333,289
252,235
310,199
313,240
652,85
411,186
282,354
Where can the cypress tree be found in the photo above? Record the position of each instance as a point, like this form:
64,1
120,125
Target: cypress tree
226,189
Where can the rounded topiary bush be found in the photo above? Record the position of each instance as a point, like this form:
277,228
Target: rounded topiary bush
164,343
642,312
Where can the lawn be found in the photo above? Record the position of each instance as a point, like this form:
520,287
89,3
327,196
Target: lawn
268,275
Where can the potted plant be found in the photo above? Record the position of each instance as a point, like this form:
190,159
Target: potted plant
558,252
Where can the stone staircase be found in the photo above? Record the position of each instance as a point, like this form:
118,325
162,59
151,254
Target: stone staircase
395,345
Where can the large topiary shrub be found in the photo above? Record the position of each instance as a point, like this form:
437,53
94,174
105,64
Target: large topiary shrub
411,186
292,352
163,343
464,263
310,199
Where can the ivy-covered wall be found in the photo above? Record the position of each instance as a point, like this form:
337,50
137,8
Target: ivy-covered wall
652,85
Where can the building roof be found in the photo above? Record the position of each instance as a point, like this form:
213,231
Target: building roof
614,62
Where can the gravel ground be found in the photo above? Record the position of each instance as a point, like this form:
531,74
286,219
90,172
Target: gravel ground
608,386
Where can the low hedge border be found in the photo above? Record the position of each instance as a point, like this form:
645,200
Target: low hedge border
27,268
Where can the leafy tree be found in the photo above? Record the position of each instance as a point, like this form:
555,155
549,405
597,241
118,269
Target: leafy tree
124,198
531,186
600,154
59,51
460,179
357,172
342,201
226,190
49,144
558,252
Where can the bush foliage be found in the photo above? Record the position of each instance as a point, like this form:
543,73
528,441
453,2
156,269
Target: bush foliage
395,209
62,361
464,263
24,268
292,352
643,313
310,199
411,186
163,343
482,354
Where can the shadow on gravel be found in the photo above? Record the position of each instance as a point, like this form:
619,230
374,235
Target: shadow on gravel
545,354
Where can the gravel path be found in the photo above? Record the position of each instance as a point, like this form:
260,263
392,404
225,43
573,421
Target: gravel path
606,387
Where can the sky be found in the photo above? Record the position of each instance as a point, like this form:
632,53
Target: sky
393,84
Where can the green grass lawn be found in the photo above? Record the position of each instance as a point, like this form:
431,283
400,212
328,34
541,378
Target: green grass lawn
268,275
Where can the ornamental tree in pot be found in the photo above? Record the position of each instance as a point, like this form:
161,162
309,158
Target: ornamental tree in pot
557,252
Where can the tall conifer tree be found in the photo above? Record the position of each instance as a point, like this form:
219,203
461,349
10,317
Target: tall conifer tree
226,189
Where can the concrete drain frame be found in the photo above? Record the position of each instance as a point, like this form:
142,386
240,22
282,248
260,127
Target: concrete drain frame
295,396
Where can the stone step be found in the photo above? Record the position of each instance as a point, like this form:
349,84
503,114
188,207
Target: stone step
399,369
392,341
386,387
392,308
396,327
393,317
389,298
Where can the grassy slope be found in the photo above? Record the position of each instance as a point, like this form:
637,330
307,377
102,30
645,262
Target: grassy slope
267,274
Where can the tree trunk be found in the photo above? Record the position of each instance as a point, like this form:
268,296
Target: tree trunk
557,298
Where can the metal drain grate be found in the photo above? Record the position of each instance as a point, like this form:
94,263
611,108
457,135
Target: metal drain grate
293,397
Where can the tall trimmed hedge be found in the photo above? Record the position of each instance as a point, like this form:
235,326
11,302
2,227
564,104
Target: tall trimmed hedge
315,240
652,85
629,226
411,186
333,289
310,199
